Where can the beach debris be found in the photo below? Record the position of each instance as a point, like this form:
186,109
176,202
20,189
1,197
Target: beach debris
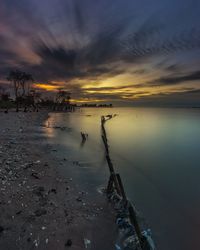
79,199
87,243
35,175
68,243
53,190
18,212
36,242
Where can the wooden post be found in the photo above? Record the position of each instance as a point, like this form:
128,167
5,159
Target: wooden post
117,187
121,188
134,221
110,165
116,182
110,184
105,144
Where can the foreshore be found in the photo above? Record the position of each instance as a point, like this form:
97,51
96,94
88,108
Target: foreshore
39,207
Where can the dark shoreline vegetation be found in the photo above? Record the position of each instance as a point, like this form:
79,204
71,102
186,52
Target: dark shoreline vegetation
27,97
50,105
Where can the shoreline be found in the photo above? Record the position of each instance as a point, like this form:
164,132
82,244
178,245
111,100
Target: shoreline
40,208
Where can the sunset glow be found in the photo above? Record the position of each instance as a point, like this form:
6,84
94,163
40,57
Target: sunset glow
46,87
144,59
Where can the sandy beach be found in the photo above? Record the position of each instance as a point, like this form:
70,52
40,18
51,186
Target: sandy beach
40,208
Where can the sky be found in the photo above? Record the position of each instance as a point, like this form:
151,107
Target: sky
125,52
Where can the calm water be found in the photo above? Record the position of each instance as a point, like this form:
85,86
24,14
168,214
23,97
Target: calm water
157,153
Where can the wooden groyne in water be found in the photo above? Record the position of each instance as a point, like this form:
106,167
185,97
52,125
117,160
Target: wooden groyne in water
140,239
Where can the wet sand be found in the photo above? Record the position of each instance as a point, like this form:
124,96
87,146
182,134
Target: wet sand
39,207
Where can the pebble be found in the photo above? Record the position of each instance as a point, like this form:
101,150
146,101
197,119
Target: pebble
68,243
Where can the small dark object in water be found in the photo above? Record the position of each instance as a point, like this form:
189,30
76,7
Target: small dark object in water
84,136
68,243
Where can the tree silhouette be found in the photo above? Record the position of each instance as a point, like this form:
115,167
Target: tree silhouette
20,81
25,83
63,96
63,99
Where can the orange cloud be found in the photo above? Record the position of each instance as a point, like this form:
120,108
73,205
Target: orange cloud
45,86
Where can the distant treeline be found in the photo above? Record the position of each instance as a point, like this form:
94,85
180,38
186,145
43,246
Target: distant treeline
96,105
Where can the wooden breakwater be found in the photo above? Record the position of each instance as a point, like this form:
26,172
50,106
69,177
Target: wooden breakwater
115,185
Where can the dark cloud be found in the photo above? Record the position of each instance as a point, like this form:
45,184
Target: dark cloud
174,80
173,68
58,56
56,63
181,98
59,63
69,40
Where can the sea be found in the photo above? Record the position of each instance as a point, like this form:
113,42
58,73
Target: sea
157,153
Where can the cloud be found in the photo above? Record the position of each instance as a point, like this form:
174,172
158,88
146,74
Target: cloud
174,80
179,98
69,41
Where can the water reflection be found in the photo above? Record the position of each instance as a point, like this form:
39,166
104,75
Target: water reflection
156,151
